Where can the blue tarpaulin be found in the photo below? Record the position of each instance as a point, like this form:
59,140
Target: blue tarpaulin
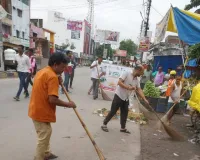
172,61
188,27
191,63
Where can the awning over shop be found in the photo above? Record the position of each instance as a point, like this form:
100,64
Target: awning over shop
185,23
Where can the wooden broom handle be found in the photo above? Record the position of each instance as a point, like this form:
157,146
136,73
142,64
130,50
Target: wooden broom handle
101,157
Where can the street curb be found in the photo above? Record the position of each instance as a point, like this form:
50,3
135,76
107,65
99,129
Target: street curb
4,75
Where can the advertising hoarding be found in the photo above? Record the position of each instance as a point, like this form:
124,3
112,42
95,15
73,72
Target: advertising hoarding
74,25
107,37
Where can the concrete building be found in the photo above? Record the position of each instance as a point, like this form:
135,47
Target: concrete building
14,27
21,20
56,22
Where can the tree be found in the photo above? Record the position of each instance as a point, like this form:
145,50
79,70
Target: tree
100,50
65,46
194,51
129,46
72,46
193,4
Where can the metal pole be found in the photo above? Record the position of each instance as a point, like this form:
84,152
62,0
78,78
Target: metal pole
147,18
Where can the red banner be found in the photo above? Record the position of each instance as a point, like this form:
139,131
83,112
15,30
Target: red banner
74,25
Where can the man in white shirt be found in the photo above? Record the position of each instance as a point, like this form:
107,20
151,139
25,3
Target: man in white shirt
128,82
96,74
23,66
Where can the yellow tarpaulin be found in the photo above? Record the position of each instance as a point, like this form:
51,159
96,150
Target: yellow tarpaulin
171,23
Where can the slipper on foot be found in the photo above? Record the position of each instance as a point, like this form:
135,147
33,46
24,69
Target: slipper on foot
104,128
125,131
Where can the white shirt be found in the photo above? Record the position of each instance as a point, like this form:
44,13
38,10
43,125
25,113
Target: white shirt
23,64
94,73
176,93
128,78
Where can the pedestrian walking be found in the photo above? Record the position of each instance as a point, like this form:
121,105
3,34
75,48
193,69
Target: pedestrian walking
32,70
128,82
73,71
23,65
95,75
68,71
44,99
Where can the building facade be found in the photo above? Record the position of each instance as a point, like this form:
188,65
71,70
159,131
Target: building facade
14,27
79,38
21,20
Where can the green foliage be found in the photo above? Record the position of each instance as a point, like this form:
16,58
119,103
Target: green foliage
193,4
150,90
65,46
129,46
100,49
72,46
194,51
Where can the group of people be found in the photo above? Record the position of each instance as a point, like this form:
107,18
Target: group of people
26,69
173,80
42,107
69,72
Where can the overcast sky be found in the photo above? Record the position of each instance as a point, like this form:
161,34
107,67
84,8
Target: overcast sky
119,15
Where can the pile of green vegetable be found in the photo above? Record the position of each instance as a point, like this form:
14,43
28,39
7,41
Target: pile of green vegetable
150,90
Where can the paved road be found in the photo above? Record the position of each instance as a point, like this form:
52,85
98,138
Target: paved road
69,140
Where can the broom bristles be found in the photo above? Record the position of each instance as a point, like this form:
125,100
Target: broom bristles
172,133
105,96
146,113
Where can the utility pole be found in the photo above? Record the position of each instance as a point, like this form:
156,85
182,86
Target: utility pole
147,17
145,22
90,19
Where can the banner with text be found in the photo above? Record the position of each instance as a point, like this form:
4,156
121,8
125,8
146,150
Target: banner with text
110,80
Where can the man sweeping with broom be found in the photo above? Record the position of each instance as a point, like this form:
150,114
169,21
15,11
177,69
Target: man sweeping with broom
96,73
127,83
44,100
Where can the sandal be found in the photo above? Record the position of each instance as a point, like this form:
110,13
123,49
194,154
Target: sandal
104,128
125,131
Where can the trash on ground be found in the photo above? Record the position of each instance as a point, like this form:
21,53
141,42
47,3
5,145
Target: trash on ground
132,115
176,155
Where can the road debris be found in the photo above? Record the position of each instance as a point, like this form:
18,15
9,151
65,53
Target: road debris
132,115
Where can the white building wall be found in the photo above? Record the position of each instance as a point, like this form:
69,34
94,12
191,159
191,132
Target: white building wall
62,34
21,23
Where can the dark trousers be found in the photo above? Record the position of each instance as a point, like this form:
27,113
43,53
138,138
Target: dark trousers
142,85
71,79
22,77
66,81
28,80
95,86
116,104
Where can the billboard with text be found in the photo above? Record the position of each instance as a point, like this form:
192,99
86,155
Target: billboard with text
74,25
107,37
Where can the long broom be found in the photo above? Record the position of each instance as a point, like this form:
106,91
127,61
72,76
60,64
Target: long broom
165,117
100,154
142,109
104,95
171,132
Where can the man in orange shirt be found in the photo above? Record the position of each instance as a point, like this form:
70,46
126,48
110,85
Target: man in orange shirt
44,100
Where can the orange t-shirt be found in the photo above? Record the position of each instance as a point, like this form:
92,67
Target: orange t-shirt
170,83
46,84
